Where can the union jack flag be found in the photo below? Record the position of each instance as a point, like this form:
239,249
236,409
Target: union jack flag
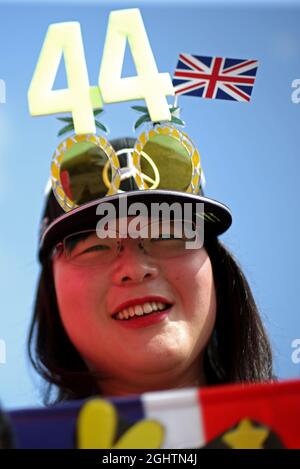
215,77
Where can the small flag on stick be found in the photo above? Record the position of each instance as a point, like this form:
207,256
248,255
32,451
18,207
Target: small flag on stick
215,77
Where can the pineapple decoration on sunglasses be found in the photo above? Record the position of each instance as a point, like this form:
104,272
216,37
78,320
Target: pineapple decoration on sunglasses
163,158
166,156
84,167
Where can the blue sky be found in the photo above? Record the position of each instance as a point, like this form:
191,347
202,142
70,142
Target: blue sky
250,152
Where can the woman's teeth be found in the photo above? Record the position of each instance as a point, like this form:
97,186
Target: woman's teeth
140,310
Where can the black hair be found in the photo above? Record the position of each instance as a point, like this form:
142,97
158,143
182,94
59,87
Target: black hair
239,349
6,434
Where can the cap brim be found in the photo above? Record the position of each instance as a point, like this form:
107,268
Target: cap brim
217,216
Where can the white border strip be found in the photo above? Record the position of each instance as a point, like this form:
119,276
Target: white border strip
180,413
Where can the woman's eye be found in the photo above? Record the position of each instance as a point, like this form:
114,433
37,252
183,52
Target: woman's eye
95,248
163,238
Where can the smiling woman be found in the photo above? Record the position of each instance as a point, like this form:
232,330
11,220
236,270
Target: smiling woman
121,315
146,330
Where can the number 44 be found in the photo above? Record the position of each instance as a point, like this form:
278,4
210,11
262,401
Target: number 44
80,98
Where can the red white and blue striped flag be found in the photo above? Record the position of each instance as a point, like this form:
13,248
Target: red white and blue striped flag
215,77
264,415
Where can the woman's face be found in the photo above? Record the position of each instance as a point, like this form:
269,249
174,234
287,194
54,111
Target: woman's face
142,353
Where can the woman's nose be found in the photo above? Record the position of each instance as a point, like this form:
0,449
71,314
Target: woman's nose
133,266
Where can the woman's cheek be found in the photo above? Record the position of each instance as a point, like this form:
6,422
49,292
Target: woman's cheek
197,286
70,291
81,301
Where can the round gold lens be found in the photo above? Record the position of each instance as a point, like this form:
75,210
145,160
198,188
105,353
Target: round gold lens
84,168
81,172
171,159
168,160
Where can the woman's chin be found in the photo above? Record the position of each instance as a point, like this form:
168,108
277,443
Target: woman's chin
159,361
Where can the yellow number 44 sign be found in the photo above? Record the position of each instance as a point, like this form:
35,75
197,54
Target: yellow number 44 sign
80,98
